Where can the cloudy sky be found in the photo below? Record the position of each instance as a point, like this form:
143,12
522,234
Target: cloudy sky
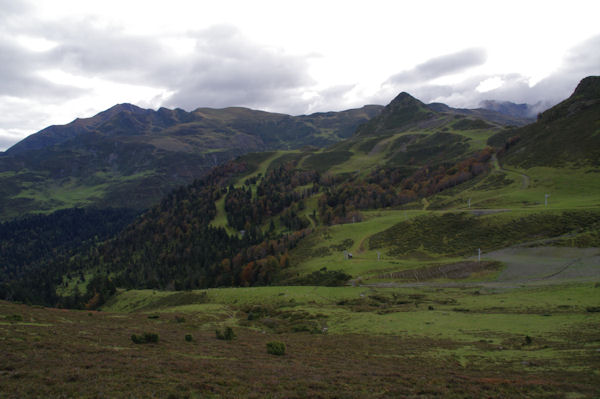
64,59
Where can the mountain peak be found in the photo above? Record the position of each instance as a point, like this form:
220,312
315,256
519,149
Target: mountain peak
404,99
586,94
402,112
588,88
116,109
565,134
124,107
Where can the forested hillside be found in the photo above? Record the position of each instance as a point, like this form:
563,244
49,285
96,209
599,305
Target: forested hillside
34,249
257,220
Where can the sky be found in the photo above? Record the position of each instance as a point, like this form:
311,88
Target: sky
64,59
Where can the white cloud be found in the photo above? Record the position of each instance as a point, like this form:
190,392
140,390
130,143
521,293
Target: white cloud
489,84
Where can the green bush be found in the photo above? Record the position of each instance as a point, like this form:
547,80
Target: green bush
14,317
153,316
179,319
144,338
188,338
323,277
226,335
276,348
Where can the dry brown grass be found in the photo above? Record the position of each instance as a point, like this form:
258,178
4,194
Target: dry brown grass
58,353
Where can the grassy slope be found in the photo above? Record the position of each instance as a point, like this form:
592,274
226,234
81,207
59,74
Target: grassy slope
447,342
468,341
51,195
525,188
362,154
521,192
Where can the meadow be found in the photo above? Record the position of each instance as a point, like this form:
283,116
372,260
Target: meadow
350,342
523,322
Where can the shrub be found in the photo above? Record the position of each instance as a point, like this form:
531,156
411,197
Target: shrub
14,317
323,277
188,338
226,335
276,348
179,319
145,338
153,316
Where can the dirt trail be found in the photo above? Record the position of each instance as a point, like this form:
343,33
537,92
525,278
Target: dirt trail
497,166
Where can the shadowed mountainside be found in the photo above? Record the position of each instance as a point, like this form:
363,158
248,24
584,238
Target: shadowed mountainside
131,157
568,133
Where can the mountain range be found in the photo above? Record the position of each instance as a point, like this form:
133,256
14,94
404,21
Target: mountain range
131,157
252,220
465,236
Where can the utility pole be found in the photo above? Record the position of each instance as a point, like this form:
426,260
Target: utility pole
469,202
478,254
546,200
378,256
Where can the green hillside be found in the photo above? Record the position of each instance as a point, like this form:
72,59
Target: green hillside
435,253
567,134
414,189
131,157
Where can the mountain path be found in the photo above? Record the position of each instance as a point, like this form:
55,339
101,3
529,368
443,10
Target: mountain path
497,166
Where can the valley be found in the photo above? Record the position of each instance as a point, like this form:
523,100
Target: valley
435,252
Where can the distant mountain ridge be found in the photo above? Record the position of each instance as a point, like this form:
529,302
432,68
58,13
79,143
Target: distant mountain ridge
130,120
131,157
525,111
127,156
243,222
505,114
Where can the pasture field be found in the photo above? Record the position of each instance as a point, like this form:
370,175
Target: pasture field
514,188
390,241
541,340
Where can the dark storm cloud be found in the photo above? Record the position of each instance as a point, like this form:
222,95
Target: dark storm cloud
441,66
